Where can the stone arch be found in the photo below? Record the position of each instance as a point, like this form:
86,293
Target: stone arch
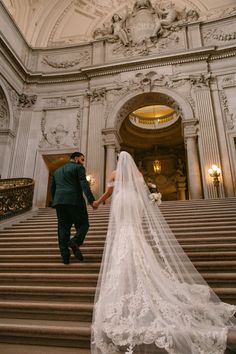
137,99
167,96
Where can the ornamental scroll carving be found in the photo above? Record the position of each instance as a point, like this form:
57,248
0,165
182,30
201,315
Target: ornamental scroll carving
4,112
81,59
97,94
57,135
61,122
220,35
26,101
145,27
228,117
147,82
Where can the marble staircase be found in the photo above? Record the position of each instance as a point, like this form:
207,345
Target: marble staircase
46,306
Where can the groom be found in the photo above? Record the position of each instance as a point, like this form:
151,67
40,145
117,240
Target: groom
68,185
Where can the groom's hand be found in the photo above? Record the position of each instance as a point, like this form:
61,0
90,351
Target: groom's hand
95,204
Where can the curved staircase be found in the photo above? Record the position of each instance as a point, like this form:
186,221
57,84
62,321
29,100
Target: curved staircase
46,306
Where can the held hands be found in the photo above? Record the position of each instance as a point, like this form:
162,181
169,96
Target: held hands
95,204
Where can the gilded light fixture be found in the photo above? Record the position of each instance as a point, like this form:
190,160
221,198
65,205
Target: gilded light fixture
215,172
157,166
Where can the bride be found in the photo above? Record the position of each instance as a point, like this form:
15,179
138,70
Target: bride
149,297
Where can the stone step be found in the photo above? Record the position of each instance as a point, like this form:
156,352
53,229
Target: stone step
51,293
43,241
177,233
24,277
180,227
75,267
98,250
9,348
76,294
56,311
103,224
64,333
38,292
203,255
90,279
49,267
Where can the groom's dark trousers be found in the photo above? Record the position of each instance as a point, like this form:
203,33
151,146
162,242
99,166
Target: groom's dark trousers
69,183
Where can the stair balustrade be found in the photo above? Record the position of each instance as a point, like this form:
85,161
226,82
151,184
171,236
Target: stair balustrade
16,196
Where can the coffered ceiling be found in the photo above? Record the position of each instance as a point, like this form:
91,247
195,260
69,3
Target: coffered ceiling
50,23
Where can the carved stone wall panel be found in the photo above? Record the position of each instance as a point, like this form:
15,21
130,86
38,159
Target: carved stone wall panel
66,61
228,104
220,33
60,128
4,111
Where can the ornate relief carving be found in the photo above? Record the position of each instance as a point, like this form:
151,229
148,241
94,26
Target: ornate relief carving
4,112
81,59
62,101
217,14
228,117
200,81
145,83
58,135
191,129
219,35
26,101
228,81
97,94
145,27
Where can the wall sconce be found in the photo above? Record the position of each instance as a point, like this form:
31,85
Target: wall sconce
157,166
214,172
90,180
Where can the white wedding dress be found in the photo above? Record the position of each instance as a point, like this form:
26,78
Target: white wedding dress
149,294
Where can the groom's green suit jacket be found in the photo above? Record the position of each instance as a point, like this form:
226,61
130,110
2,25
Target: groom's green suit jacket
68,185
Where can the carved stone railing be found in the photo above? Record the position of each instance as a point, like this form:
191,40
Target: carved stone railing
154,123
16,196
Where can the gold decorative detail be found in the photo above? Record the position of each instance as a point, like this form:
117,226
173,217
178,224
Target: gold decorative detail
157,166
16,196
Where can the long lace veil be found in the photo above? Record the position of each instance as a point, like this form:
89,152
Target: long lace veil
149,295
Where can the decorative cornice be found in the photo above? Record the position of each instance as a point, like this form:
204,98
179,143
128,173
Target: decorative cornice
150,62
209,54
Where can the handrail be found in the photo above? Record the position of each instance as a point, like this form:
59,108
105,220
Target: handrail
16,196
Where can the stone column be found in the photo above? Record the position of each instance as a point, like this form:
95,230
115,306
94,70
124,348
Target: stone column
84,133
111,142
208,141
95,149
223,126
25,104
194,174
181,187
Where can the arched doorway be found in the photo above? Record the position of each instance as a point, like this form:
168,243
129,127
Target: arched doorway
153,135
186,129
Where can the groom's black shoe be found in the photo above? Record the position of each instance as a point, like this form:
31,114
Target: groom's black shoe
75,248
66,260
